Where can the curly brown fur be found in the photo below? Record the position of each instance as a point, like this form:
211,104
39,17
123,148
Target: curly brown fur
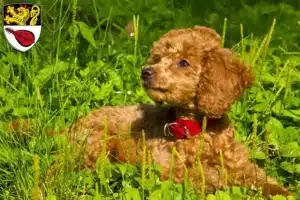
212,80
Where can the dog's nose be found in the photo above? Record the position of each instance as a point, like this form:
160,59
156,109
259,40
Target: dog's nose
147,73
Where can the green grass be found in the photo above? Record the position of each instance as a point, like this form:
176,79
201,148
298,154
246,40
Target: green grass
84,60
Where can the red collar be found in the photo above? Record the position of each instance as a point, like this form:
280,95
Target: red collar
183,128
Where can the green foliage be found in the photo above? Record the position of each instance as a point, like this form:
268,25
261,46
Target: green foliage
85,59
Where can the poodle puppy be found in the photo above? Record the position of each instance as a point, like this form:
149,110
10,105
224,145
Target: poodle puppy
194,82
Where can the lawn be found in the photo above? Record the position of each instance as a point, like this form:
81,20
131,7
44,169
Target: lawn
86,59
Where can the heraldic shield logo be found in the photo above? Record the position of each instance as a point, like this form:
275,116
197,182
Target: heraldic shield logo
22,25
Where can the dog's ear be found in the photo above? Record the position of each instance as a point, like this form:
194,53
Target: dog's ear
222,80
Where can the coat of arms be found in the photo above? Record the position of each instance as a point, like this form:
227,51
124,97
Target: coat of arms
22,25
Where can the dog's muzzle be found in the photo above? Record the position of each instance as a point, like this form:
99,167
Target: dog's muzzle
147,74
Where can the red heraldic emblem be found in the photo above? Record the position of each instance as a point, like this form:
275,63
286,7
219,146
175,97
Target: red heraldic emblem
22,25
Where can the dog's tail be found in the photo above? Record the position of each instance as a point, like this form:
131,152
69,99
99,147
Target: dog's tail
27,126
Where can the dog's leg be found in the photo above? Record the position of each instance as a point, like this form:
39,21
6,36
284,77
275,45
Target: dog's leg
116,148
232,160
240,169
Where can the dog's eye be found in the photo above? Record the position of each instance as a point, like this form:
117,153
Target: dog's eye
183,63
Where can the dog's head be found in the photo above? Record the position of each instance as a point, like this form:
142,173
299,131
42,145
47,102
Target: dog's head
188,68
